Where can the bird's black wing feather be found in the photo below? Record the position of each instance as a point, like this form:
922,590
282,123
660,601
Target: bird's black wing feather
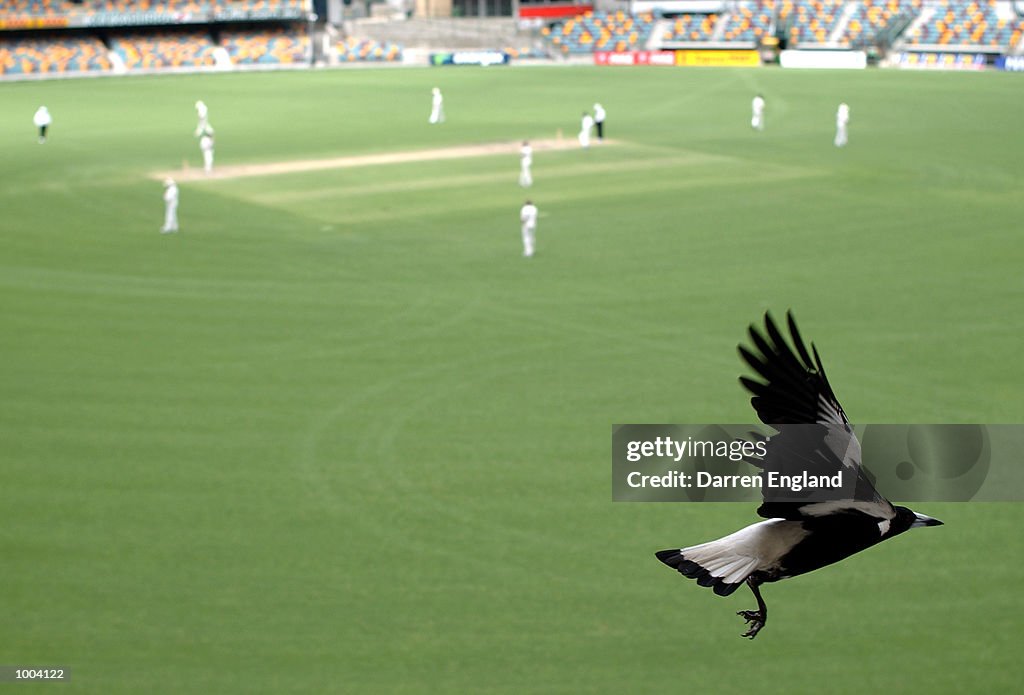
814,434
795,390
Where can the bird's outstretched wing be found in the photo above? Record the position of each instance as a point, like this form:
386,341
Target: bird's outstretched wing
797,391
814,434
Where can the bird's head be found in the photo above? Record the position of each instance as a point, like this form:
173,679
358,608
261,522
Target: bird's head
907,519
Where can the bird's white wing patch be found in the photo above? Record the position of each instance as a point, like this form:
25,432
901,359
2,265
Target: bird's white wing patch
759,546
878,510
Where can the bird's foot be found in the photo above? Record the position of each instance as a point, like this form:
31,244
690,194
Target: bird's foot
755,621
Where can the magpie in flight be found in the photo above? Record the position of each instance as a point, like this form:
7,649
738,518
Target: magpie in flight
801,534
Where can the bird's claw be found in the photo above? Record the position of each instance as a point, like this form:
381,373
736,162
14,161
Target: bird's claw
755,621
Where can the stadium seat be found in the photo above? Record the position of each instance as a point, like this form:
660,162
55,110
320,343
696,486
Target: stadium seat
871,19
354,50
603,31
810,21
967,25
277,46
35,9
164,49
749,22
691,27
53,54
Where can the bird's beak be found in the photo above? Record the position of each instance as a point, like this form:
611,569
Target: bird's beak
923,520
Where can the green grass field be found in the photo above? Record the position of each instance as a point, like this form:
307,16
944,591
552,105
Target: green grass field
339,436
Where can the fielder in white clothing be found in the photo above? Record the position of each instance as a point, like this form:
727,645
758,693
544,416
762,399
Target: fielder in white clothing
170,207
525,162
528,216
757,113
206,145
202,112
42,120
842,121
586,124
437,107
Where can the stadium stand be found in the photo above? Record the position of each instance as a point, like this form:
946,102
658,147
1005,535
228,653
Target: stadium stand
809,21
52,54
140,6
353,50
43,37
277,46
185,6
165,49
34,8
132,9
691,28
114,36
601,31
871,19
975,25
750,22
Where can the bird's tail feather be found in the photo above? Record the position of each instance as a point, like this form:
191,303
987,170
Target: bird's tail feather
722,571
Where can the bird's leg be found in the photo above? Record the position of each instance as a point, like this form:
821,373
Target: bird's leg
755,619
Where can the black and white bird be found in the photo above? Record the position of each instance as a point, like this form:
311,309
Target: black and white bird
799,535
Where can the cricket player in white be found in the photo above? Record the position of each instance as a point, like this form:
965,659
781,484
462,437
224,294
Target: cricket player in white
525,162
437,107
42,121
528,216
203,113
586,123
206,145
170,207
842,120
757,113
599,116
